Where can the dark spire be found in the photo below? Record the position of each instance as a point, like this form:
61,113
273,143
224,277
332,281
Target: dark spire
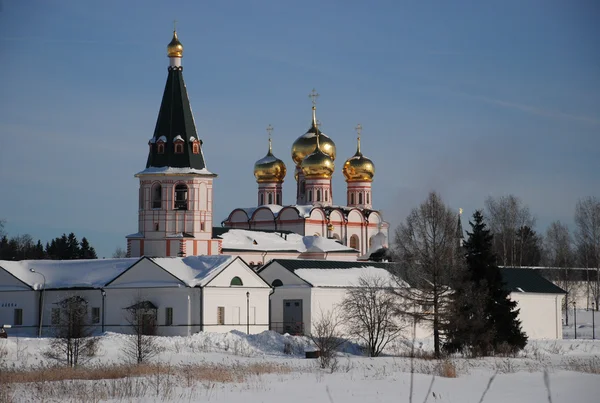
175,124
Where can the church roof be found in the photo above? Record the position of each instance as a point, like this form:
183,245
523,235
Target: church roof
527,280
175,123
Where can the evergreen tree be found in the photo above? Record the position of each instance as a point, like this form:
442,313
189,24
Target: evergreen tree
485,319
73,249
86,251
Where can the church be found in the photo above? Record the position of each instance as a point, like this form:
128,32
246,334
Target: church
175,215
280,265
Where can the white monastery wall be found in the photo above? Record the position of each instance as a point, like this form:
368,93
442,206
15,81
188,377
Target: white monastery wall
540,314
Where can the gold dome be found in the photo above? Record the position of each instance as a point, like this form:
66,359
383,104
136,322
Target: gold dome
307,143
358,168
175,48
269,168
318,164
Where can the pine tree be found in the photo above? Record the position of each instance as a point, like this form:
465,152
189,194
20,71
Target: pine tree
86,251
485,319
74,251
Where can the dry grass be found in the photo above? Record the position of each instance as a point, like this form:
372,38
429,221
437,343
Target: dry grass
447,369
587,365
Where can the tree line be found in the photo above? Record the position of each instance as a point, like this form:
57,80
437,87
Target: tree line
65,247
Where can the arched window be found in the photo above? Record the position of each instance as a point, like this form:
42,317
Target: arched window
302,187
270,198
277,283
236,281
367,198
360,198
157,196
336,237
262,199
351,198
319,195
179,148
196,147
141,198
181,197
310,195
326,195
279,198
354,242
161,148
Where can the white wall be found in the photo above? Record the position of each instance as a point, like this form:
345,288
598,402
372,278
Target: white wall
25,300
233,299
540,314
302,292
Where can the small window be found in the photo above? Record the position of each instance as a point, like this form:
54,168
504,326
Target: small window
277,283
278,198
168,316
302,187
141,198
161,148
326,195
310,195
95,315
178,148
351,198
202,226
360,198
354,242
236,281
270,198
55,316
262,199
155,226
157,196
18,317
367,198
220,315
319,195
196,148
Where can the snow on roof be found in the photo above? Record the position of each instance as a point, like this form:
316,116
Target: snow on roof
178,138
192,139
272,241
194,270
93,273
342,277
171,170
162,138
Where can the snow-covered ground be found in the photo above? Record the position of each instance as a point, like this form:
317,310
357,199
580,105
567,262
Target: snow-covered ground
296,379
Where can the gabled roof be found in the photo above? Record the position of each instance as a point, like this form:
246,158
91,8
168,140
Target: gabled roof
175,121
84,273
331,273
527,280
194,270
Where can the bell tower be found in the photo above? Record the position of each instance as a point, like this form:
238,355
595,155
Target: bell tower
175,213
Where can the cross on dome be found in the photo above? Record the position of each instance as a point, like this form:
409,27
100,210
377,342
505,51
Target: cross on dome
314,95
269,131
358,129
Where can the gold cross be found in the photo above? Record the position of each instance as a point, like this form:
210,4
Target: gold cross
314,95
269,130
319,124
358,129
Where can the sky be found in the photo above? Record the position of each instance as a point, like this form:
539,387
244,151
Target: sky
466,98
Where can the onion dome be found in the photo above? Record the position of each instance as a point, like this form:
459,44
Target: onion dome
317,165
269,168
175,48
358,168
307,143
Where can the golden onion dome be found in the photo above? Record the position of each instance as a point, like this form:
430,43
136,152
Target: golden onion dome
317,165
358,168
175,48
307,143
269,168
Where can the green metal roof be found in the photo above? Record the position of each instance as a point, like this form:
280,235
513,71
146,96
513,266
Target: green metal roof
528,280
295,264
175,119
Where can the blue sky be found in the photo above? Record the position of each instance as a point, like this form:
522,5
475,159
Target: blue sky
467,98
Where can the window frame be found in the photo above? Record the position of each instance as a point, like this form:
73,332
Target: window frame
168,316
220,315
95,315
18,317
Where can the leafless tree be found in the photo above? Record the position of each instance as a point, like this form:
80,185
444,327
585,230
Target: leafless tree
558,253
369,313
587,236
141,346
326,334
73,342
2,224
428,254
119,253
507,215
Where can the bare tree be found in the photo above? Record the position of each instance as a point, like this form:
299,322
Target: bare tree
587,236
427,247
558,247
369,313
72,343
141,346
2,224
119,253
507,215
327,336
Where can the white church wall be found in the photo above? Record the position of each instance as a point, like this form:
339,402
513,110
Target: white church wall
290,291
540,314
27,301
239,269
236,308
